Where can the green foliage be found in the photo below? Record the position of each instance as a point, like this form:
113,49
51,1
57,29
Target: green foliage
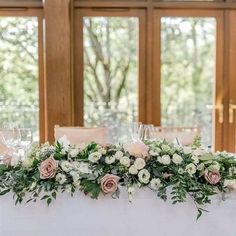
86,172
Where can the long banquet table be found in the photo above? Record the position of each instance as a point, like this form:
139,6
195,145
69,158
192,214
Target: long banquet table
147,215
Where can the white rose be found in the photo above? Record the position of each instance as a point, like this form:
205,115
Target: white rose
139,163
94,157
155,184
133,170
110,159
74,152
66,166
177,159
191,168
125,161
60,178
118,155
144,176
165,160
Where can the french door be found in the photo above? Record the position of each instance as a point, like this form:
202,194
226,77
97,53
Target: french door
169,67
188,58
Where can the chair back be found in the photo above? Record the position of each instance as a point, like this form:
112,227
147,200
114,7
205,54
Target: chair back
185,135
81,136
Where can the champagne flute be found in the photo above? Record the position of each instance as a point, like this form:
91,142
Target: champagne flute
136,131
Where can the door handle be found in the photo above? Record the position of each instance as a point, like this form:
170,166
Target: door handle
220,109
232,107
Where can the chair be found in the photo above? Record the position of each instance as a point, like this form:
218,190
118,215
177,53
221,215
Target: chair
185,135
81,136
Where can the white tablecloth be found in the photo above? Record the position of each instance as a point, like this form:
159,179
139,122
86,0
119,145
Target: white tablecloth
145,216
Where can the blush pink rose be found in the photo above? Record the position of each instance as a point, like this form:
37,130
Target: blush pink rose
212,177
137,149
48,168
109,183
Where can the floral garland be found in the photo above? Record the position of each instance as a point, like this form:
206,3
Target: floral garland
95,169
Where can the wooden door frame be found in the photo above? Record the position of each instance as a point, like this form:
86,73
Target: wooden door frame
219,71
79,70
231,128
27,12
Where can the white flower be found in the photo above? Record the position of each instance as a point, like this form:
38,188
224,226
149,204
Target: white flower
155,152
187,150
230,183
195,160
215,166
200,167
118,155
144,176
125,161
95,156
102,150
64,141
177,159
66,166
139,163
75,175
83,168
191,168
60,178
155,184
74,152
131,192
27,162
166,148
133,170
180,171
165,159
110,159
199,152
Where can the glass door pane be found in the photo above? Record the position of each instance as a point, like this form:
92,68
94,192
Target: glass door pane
19,92
110,46
188,65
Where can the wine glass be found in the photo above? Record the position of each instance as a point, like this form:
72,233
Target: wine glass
148,132
26,138
11,137
136,131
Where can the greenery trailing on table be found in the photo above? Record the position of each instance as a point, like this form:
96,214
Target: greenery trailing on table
101,169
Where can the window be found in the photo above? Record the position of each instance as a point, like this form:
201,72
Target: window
20,80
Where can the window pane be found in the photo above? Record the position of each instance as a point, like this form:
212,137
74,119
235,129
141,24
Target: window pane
188,72
111,72
19,72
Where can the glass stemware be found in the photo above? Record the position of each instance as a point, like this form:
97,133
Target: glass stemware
26,138
136,131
